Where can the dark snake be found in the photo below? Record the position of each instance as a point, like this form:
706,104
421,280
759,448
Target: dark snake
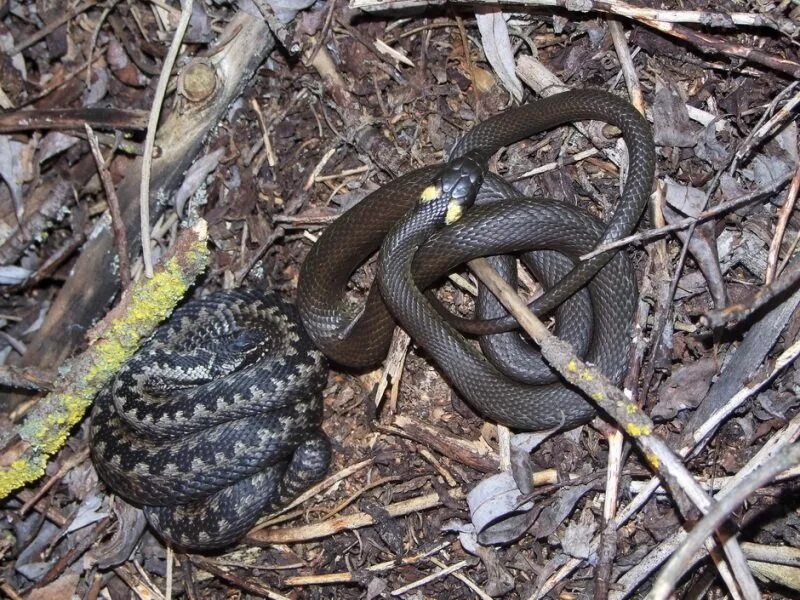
217,419
421,248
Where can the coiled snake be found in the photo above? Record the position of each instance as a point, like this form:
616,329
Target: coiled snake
217,419
418,242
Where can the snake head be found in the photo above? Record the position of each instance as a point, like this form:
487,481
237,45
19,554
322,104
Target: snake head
456,186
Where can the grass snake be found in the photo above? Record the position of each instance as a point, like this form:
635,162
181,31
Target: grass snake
418,247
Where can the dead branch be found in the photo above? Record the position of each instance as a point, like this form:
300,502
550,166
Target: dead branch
25,449
94,281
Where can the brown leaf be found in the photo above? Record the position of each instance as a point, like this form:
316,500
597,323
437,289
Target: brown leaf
63,587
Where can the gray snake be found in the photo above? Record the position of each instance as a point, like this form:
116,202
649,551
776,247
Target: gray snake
216,420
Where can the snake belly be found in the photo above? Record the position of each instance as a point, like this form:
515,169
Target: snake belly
360,338
216,420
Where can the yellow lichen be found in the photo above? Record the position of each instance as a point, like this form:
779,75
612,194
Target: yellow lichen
19,473
637,430
653,460
572,366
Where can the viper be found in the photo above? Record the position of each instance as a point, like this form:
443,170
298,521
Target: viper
216,420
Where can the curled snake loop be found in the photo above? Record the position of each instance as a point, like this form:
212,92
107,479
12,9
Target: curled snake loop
420,246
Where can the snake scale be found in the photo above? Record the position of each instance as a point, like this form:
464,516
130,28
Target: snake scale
217,419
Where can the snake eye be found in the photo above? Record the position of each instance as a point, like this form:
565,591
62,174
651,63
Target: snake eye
246,341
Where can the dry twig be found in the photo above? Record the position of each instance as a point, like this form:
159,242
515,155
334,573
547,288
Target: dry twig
152,126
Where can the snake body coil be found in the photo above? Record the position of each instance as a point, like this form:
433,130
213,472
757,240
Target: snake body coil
411,260
216,420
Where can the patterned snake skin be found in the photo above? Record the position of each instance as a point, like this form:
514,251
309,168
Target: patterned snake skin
216,420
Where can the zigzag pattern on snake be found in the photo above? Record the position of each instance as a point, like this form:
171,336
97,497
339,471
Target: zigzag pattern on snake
216,420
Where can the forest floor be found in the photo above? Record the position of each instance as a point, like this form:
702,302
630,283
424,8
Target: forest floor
346,102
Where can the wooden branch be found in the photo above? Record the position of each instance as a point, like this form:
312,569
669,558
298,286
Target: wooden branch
94,280
72,118
347,522
665,21
613,402
115,339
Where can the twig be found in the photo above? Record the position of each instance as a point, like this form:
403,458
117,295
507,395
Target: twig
700,438
735,313
169,561
703,433
717,514
279,30
432,577
725,20
247,585
120,240
152,126
27,447
95,34
52,26
613,402
29,378
783,219
767,124
465,580
72,118
710,44
689,221
608,546
348,522
68,465
476,455
315,491
664,21
626,64
349,576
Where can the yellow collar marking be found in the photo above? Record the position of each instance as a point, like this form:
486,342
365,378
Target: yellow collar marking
429,193
454,212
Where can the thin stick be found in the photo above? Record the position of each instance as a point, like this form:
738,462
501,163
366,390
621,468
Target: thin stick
168,589
152,126
432,577
52,26
783,219
346,522
613,402
117,224
717,514
689,221
700,438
